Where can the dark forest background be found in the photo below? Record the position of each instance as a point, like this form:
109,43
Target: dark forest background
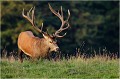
94,24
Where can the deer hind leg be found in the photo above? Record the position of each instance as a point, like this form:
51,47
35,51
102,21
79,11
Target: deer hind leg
20,53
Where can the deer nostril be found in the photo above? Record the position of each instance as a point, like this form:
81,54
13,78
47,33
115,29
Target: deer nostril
57,49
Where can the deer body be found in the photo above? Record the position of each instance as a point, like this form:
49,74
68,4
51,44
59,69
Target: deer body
36,47
33,46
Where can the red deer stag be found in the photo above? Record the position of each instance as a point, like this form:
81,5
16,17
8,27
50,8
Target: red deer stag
36,47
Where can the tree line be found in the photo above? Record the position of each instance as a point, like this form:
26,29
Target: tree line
94,24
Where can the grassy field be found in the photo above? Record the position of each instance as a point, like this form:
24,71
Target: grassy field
97,67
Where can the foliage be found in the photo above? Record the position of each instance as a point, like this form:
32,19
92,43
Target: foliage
96,67
96,23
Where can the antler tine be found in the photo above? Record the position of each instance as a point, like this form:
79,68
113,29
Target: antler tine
54,12
61,12
33,16
42,26
32,19
68,14
28,13
23,13
61,17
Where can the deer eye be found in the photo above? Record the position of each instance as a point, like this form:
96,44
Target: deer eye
51,42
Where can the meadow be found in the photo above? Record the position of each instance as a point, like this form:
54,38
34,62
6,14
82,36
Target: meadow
74,67
94,29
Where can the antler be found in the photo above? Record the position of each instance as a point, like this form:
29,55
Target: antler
61,17
32,19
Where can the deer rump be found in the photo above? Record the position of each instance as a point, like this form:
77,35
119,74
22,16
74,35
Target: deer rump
31,45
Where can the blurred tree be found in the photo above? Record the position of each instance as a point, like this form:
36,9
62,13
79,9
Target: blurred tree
96,23
12,23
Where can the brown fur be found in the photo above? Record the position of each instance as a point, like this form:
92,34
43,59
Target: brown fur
33,46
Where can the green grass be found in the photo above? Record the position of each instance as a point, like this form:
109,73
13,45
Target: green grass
97,67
